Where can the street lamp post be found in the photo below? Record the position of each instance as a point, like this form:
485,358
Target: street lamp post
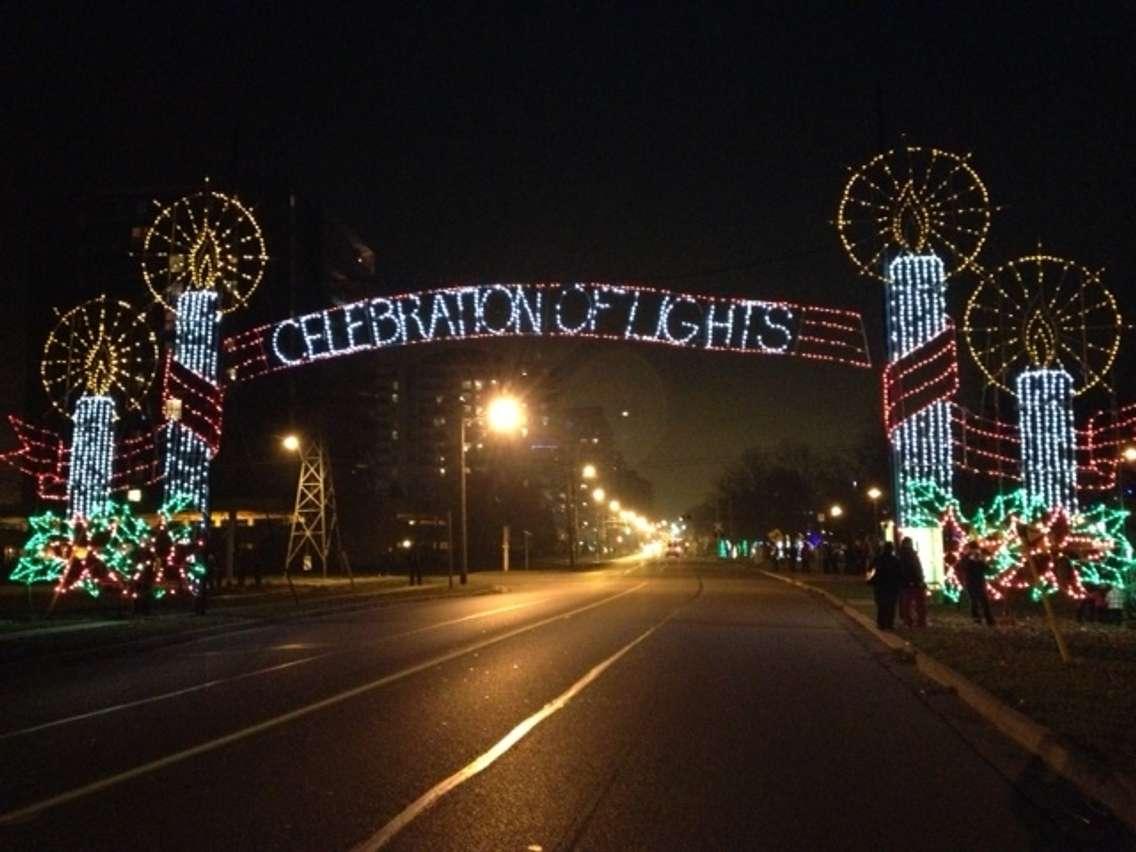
503,414
464,508
874,494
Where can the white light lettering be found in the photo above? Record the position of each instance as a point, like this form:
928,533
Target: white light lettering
690,328
310,337
353,325
598,306
712,324
439,311
629,331
781,328
276,332
381,310
482,302
407,308
462,293
534,308
560,326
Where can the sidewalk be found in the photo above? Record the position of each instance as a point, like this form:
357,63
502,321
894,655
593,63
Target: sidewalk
1077,718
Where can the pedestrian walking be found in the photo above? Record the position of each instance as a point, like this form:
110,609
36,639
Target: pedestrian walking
913,595
972,569
885,582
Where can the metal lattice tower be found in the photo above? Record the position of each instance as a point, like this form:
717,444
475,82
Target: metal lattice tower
315,524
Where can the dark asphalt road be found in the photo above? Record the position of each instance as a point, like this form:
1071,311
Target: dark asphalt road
745,715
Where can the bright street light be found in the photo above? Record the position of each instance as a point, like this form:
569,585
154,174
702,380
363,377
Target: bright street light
291,443
836,511
588,471
505,414
598,495
874,494
1129,454
614,505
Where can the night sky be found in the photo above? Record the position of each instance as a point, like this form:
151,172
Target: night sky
697,150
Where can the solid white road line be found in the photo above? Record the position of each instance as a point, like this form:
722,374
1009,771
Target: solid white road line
115,708
29,811
428,799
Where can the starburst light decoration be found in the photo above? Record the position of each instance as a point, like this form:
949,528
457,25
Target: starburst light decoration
205,241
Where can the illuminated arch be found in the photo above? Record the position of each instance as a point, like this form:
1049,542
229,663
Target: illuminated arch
599,311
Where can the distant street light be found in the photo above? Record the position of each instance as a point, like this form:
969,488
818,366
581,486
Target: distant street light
874,494
598,495
614,505
589,471
836,511
291,443
1129,454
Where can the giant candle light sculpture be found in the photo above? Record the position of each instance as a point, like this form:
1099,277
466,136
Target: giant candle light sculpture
1034,326
912,217
98,351
203,256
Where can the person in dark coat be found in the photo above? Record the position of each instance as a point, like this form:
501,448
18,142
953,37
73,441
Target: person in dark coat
885,581
913,594
972,570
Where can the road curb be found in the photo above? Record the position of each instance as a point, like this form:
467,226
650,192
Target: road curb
238,625
1112,789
